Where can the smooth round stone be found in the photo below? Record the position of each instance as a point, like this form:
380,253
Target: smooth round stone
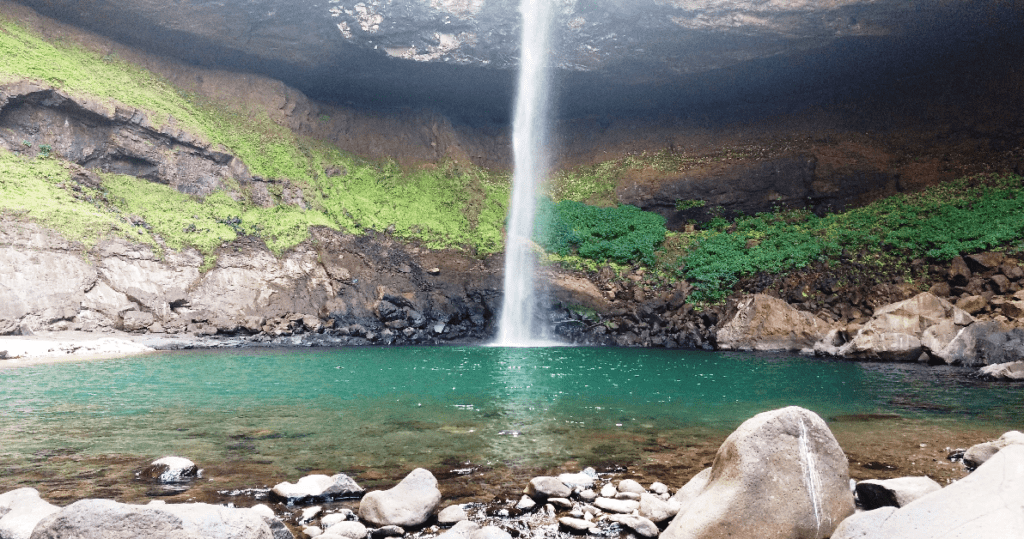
310,513
341,516
658,488
349,528
526,503
560,503
627,496
642,526
609,491
629,485
587,495
451,514
312,531
616,506
388,531
547,487
576,524
171,470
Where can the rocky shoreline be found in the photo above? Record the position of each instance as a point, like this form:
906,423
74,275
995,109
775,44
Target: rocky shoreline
780,474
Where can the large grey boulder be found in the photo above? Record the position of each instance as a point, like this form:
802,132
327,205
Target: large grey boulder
984,343
407,504
1003,371
875,493
780,474
20,511
987,503
107,519
689,492
978,454
763,322
317,487
899,331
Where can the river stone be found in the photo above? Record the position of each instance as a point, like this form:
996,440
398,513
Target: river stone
461,530
763,322
875,493
170,470
317,487
576,524
526,503
407,504
387,531
20,510
107,519
628,496
587,495
349,529
490,532
987,503
609,491
984,343
277,527
616,506
656,509
685,495
658,487
312,531
543,487
977,454
1003,371
629,485
560,503
329,520
577,480
642,526
451,514
782,470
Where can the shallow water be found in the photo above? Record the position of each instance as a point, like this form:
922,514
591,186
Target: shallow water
254,416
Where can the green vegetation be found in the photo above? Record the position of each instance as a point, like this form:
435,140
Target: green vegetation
40,190
965,216
445,207
621,234
683,205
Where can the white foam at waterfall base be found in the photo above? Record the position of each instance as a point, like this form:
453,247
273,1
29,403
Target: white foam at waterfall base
529,142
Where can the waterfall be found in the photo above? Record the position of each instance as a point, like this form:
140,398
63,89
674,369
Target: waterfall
529,147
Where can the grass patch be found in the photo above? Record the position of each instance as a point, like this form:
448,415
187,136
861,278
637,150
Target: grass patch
41,190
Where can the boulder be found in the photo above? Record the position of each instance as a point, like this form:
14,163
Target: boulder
981,262
875,493
543,487
136,320
1013,309
407,504
107,519
1003,371
685,495
317,487
170,470
959,273
899,331
763,322
986,503
984,343
642,526
978,454
462,530
277,527
972,304
780,474
20,510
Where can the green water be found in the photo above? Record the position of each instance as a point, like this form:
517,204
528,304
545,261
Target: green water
402,407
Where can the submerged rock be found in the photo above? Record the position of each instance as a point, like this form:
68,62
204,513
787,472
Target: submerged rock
408,504
171,470
1004,371
987,503
780,474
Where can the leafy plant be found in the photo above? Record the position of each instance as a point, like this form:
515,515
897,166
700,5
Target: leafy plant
620,234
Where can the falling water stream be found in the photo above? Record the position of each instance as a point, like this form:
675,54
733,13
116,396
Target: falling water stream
529,142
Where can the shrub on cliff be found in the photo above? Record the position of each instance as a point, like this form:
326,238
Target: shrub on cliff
620,234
